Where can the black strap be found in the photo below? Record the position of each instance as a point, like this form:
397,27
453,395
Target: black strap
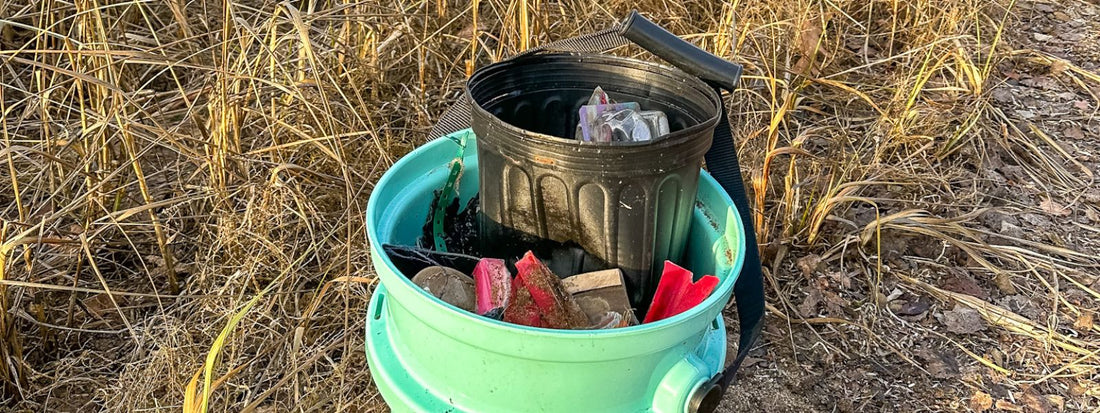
722,163
748,293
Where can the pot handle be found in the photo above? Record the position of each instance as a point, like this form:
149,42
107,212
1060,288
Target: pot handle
686,56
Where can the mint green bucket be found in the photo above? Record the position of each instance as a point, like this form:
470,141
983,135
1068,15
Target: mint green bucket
429,356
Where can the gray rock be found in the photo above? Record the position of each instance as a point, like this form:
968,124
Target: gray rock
1011,230
962,320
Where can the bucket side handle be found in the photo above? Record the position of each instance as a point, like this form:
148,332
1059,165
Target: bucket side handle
689,381
674,394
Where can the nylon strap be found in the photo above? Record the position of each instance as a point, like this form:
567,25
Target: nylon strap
721,161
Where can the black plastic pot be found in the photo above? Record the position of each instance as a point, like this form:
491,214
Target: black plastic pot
629,205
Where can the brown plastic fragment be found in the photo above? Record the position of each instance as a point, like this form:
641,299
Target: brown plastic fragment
601,292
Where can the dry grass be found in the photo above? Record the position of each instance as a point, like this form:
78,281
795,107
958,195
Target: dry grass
185,182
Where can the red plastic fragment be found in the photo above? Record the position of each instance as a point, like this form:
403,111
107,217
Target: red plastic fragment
494,284
677,293
521,308
556,308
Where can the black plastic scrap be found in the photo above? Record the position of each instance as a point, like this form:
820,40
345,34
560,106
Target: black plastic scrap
459,231
410,260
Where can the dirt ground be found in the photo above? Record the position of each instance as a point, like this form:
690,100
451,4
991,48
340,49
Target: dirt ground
818,366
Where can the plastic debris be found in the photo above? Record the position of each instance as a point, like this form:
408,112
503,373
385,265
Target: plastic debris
599,97
496,313
677,293
609,319
521,307
594,119
446,195
539,299
602,296
460,234
657,121
449,285
616,125
603,120
494,285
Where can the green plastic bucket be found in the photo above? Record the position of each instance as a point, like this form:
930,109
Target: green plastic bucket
427,355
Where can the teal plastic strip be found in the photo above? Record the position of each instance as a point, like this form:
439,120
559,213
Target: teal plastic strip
449,191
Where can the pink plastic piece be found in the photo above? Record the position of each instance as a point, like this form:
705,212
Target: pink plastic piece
494,284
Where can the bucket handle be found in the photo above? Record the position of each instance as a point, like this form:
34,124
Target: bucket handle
716,71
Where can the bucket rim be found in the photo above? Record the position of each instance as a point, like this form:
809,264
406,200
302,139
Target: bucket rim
405,286
654,67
